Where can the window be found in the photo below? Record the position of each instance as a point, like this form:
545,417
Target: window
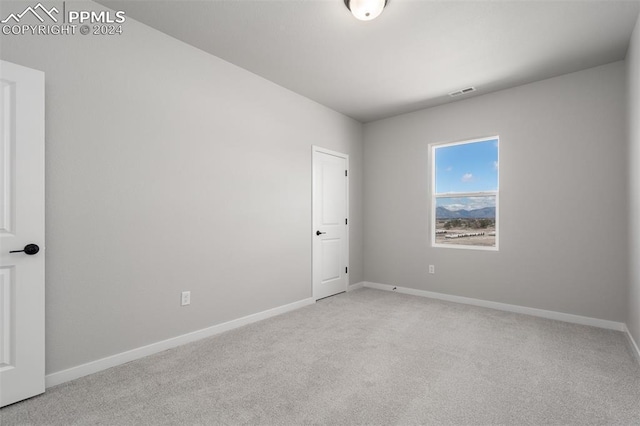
464,188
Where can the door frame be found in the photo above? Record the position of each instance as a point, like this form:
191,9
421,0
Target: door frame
315,150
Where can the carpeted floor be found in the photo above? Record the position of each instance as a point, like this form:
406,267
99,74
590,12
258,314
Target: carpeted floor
366,357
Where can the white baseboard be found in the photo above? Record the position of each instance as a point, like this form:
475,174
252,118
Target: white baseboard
634,346
560,316
355,286
72,373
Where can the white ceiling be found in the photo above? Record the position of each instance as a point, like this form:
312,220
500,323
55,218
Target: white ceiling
409,58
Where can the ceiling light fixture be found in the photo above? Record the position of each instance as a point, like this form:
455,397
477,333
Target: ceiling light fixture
365,10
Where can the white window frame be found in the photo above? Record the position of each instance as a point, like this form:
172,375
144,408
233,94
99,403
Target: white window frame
434,196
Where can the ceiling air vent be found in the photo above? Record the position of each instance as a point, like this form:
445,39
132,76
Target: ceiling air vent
462,91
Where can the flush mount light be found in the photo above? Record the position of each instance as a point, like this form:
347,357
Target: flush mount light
365,10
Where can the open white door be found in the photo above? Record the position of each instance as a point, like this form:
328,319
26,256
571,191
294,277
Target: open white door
21,230
330,222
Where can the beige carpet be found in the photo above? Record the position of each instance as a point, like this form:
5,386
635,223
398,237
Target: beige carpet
366,357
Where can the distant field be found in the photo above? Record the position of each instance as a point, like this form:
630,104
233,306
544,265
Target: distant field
485,240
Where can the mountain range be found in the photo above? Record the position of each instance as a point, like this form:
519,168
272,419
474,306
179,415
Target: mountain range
483,213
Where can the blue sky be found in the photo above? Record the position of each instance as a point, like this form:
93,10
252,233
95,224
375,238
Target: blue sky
467,167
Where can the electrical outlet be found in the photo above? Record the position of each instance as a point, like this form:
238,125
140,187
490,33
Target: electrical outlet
432,269
186,298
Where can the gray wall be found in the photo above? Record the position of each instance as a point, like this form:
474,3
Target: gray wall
633,78
168,169
563,197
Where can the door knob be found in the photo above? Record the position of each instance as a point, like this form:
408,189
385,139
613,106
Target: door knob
29,249
320,233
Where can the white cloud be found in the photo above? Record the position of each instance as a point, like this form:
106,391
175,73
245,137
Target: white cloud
496,165
467,203
448,169
467,177
455,207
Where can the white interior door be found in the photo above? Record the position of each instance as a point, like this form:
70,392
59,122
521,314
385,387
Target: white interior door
21,228
330,222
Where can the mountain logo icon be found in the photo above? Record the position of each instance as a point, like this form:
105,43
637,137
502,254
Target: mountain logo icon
34,11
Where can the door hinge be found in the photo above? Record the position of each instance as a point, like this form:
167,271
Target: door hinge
345,173
346,222
346,269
